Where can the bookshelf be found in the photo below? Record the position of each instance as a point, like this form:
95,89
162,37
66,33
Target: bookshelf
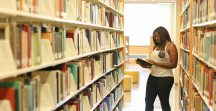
62,54
197,52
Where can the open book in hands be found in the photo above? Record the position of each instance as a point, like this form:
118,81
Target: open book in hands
144,62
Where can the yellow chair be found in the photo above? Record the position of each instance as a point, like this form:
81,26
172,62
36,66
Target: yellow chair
134,74
127,83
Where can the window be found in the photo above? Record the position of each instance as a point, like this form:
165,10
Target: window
141,19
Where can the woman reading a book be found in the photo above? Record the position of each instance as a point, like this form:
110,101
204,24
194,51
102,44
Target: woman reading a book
163,59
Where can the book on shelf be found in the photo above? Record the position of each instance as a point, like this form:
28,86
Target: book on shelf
214,93
79,10
105,106
72,105
32,44
6,57
61,8
99,92
74,73
197,101
119,107
46,7
86,43
86,64
83,71
60,38
87,99
211,9
50,82
70,36
86,11
113,41
72,84
46,52
112,101
97,63
9,94
10,4
5,29
71,9
35,45
107,102
98,42
30,91
94,88
5,105
17,85
46,99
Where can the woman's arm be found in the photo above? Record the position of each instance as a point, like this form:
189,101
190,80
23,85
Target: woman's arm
173,53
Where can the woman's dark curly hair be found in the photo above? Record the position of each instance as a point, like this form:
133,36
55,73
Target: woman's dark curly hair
164,35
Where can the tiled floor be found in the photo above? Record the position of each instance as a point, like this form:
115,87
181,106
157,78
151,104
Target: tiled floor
135,100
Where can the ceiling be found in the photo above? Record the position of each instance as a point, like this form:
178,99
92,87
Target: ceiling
150,1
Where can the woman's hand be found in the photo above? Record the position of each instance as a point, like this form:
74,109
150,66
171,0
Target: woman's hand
151,61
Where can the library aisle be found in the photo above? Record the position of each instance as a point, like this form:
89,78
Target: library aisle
135,99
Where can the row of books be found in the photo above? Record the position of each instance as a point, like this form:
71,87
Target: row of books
44,89
184,82
184,90
205,43
119,106
95,96
28,46
32,45
185,19
198,103
204,77
184,56
184,60
22,93
184,100
203,11
57,7
111,100
116,4
185,42
96,14
77,10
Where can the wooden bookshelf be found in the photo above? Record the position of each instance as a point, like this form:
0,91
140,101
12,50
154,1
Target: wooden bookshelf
31,17
100,2
90,35
185,50
184,70
203,97
52,63
185,6
108,94
205,62
185,29
84,87
206,24
199,53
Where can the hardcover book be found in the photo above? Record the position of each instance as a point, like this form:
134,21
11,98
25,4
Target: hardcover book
144,62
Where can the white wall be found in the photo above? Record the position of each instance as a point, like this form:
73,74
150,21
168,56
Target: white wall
141,19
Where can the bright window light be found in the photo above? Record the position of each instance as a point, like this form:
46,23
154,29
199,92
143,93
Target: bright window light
142,19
